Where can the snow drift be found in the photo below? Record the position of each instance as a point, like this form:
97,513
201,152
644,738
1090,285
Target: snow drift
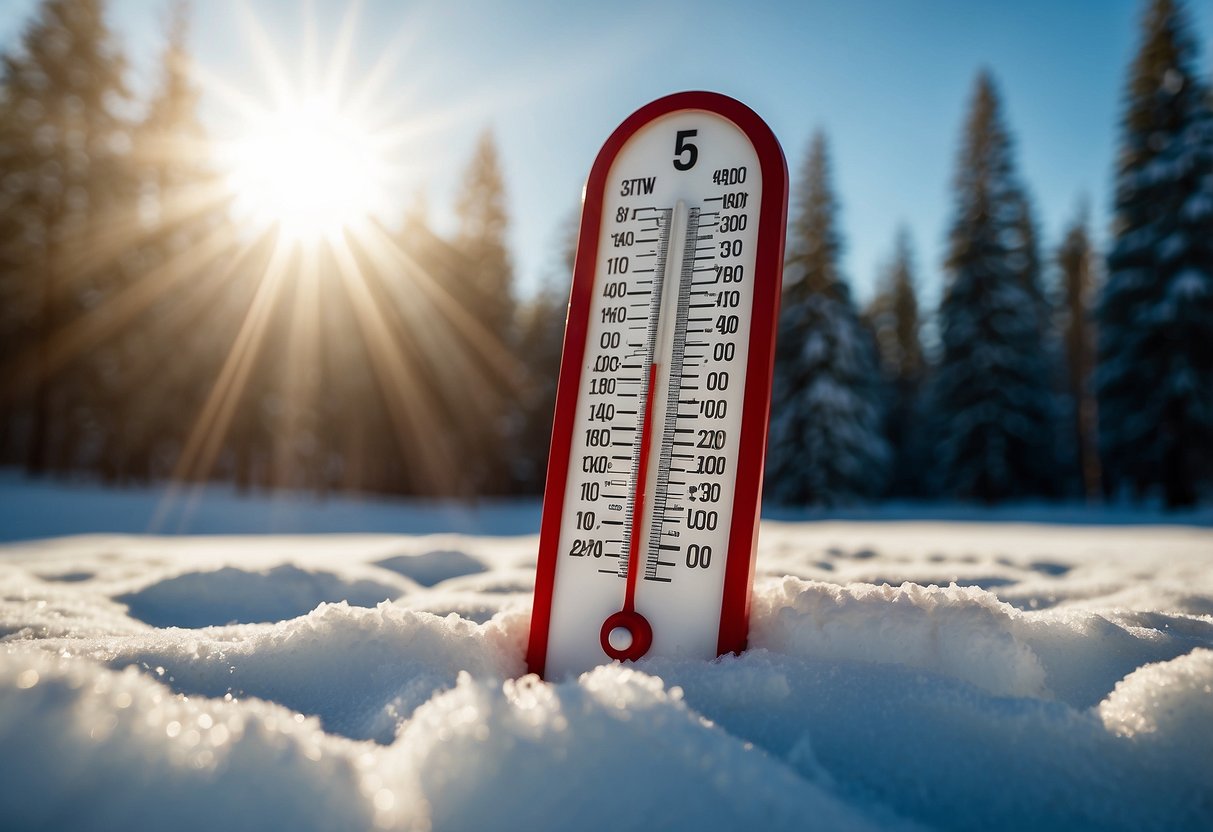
900,676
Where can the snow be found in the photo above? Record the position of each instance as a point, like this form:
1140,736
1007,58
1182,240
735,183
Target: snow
901,675
235,595
30,509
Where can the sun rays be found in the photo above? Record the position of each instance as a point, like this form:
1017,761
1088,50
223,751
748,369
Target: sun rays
289,261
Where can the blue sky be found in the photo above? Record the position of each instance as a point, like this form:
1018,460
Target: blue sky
888,81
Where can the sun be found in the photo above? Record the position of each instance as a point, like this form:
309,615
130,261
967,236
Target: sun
308,170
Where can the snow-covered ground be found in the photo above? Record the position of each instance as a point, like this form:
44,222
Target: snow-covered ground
902,675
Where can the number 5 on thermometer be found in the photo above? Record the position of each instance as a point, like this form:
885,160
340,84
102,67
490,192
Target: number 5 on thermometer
650,516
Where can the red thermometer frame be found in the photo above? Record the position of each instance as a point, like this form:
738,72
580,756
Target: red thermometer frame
743,533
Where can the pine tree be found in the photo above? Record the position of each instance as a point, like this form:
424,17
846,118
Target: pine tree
896,307
483,222
1029,263
991,390
1075,259
541,321
486,290
826,446
180,203
171,141
1155,376
64,151
893,316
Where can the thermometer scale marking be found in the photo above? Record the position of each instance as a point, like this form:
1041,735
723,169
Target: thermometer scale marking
674,388
636,481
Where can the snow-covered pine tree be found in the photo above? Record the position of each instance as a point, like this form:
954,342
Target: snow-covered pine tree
1154,381
826,446
1028,262
992,397
1076,262
893,316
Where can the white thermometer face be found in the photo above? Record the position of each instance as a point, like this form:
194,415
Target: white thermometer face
653,450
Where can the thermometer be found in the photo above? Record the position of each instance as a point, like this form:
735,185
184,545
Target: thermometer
655,475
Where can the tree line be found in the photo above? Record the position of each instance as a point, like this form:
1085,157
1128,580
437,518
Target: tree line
1061,375
144,338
